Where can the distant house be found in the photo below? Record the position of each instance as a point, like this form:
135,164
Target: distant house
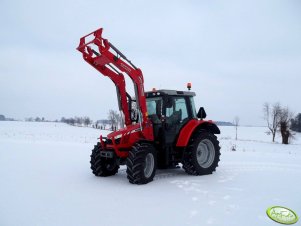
221,123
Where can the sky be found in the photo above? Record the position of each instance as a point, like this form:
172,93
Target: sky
236,54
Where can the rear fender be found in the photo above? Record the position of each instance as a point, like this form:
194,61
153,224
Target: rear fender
192,127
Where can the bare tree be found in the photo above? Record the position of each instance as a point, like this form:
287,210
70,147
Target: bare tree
113,118
296,123
120,120
272,117
2,118
236,124
87,121
104,123
71,121
30,119
285,119
78,121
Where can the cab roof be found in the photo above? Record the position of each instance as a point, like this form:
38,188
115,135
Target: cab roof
163,92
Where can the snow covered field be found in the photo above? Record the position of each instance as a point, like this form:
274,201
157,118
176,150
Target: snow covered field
46,180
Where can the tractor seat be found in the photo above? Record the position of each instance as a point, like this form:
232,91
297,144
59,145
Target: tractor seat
155,119
175,117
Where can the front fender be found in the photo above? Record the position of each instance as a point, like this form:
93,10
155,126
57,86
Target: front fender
191,127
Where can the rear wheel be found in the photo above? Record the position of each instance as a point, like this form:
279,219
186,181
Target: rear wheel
202,155
141,163
100,166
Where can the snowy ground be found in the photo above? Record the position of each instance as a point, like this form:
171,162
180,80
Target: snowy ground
46,180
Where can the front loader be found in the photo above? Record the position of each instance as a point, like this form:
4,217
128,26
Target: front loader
162,128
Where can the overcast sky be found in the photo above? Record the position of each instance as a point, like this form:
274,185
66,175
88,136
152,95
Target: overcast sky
236,54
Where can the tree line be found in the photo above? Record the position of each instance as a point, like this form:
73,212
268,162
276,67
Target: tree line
79,121
279,120
3,118
113,122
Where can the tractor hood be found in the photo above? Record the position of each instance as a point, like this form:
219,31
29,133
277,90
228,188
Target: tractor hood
121,133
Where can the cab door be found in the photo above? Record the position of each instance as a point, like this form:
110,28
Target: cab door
176,115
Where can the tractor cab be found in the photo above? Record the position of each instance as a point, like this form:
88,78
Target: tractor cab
169,111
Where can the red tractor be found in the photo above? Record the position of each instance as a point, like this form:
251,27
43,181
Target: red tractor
162,128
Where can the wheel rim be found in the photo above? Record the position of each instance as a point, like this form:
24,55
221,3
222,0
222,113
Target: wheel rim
205,153
149,165
110,166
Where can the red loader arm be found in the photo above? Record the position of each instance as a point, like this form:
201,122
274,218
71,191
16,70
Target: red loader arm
109,61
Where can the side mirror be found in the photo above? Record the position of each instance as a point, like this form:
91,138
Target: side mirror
202,113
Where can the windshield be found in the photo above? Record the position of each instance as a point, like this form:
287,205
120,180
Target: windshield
154,105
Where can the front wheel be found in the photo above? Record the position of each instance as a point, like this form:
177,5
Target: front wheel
101,166
141,163
202,154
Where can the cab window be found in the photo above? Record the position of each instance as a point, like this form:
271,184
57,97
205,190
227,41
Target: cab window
177,112
154,108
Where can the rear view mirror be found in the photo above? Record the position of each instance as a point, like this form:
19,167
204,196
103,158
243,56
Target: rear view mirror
202,113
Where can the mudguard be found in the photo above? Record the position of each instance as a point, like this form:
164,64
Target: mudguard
193,126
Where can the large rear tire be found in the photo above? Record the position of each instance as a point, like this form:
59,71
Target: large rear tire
141,163
100,166
202,154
